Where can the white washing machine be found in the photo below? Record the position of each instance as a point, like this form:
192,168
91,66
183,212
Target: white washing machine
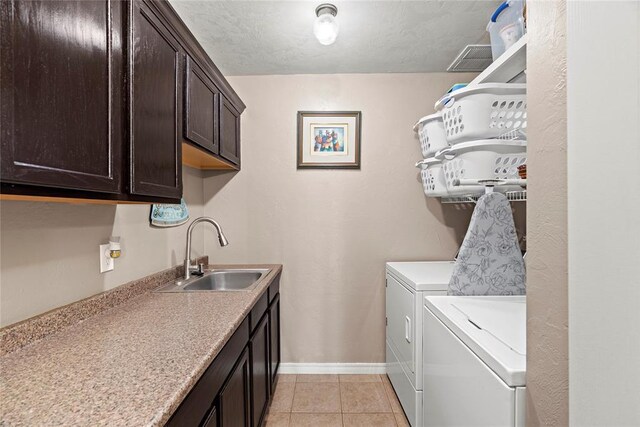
474,366
407,285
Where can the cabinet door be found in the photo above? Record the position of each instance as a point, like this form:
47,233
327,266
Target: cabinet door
61,84
274,338
156,99
212,419
201,108
260,389
401,304
229,132
235,396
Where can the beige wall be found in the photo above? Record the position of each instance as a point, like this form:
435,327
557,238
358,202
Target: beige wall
547,318
333,230
49,251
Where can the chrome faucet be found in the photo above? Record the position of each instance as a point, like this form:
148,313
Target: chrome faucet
188,268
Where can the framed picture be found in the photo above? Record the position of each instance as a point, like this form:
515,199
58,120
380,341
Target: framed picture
329,139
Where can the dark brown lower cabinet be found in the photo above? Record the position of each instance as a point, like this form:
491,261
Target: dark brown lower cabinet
212,418
274,338
235,390
235,398
260,377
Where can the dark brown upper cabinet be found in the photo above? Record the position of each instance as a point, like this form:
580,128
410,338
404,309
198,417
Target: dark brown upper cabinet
229,132
201,108
155,105
61,84
93,99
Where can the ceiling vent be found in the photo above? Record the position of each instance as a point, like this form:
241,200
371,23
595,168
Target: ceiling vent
474,57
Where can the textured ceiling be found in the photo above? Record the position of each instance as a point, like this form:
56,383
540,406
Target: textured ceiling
276,37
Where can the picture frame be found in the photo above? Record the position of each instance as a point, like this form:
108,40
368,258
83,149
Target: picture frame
329,139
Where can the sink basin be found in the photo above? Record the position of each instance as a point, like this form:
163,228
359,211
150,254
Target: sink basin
219,280
224,281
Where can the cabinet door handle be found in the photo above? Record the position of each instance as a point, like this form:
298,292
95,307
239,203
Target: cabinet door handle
407,329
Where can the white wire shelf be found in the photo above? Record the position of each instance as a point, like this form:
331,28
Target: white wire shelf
508,67
512,196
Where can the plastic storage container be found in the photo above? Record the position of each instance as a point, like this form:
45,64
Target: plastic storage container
432,175
483,111
431,134
506,26
484,159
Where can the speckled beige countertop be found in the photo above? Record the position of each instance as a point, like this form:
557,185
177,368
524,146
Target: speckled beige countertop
131,365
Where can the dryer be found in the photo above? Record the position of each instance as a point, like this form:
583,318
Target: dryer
474,366
407,285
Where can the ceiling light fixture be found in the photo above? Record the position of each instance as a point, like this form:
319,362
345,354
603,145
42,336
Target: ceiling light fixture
325,27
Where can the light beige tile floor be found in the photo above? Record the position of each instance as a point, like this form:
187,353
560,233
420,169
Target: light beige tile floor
335,400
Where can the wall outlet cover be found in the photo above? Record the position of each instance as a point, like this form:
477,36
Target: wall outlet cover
106,262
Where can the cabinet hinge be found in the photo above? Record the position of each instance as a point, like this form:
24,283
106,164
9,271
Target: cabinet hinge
386,321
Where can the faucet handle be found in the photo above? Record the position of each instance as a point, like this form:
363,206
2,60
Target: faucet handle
201,268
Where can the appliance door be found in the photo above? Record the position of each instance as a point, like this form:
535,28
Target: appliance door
401,322
458,388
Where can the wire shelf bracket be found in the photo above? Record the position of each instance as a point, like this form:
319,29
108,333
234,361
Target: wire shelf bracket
512,196
489,184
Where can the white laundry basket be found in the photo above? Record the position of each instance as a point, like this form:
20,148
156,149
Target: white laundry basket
431,133
483,111
484,159
432,175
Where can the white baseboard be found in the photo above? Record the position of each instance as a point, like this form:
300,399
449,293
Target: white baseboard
333,368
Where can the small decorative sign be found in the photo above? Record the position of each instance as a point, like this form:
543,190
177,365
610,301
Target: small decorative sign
329,139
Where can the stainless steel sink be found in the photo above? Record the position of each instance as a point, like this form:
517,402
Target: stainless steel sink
219,280
224,281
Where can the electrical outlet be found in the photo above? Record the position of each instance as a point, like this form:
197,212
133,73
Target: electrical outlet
106,262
